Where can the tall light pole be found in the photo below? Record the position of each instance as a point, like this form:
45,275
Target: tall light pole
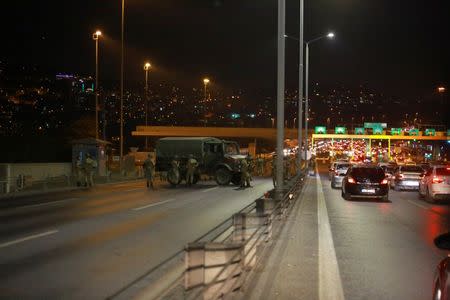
121,83
147,67
300,88
330,36
95,36
205,82
280,97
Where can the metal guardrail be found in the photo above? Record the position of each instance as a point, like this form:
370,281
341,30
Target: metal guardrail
165,281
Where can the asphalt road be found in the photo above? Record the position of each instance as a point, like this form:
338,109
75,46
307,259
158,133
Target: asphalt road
359,249
89,244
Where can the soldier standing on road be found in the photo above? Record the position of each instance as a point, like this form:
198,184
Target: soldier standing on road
79,170
260,166
191,167
274,170
149,171
175,171
245,176
89,167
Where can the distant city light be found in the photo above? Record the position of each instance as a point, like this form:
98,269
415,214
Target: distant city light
441,89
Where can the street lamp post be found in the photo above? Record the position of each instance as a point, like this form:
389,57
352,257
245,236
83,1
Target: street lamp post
147,67
280,97
205,83
95,36
330,36
300,88
121,82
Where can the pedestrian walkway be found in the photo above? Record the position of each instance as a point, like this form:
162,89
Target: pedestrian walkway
65,185
291,268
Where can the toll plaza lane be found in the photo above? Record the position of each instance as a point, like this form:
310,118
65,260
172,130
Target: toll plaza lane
385,250
91,244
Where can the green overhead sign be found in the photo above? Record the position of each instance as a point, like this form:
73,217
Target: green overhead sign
448,132
320,130
377,130
396,131
430,131
360,130
375,125
340,130
414,132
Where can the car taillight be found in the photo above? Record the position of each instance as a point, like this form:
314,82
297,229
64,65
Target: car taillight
336,173
351,180
400,176
437,179
384,181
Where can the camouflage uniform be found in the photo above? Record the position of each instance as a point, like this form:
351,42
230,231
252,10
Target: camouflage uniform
191,166
245,176
149,171
89,167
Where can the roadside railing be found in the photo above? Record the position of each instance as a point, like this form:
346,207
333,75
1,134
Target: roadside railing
217,263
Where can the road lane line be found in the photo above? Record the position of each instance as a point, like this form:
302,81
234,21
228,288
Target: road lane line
154,204
210,189
418,204
330,284
48,203
133,190
27,238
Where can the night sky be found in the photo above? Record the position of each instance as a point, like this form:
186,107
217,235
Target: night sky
397,47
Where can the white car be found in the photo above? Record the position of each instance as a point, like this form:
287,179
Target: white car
435,183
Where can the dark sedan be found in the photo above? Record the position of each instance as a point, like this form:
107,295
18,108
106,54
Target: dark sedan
365,181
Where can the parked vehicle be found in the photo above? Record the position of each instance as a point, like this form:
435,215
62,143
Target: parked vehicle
340,169
406,177
216,157
389,170
365,181
441,282
435,184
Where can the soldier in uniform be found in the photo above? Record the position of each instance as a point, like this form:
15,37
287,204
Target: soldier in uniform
274,170
191,167
260,166
175,170
89,167
79,170
245,176
149,171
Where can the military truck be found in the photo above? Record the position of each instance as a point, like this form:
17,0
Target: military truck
216,157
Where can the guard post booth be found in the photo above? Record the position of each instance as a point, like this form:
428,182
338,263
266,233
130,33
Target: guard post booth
96,148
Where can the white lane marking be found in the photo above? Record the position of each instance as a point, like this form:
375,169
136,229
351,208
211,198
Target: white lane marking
133,190
418,204
48,203
31,237
210,189
154,204
330,284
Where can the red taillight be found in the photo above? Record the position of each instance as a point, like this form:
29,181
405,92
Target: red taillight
437,179
351,180
384,181
400,176
336,173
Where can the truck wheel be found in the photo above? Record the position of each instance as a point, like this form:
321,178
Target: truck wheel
173,179
223,176
196,178
236,180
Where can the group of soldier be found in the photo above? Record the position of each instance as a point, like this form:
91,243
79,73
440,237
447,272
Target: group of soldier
85,170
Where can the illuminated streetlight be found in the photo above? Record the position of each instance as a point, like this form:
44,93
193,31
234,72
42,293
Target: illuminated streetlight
95,36
329,35
147,67
205,82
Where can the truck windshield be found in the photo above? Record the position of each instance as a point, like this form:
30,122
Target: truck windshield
231,149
